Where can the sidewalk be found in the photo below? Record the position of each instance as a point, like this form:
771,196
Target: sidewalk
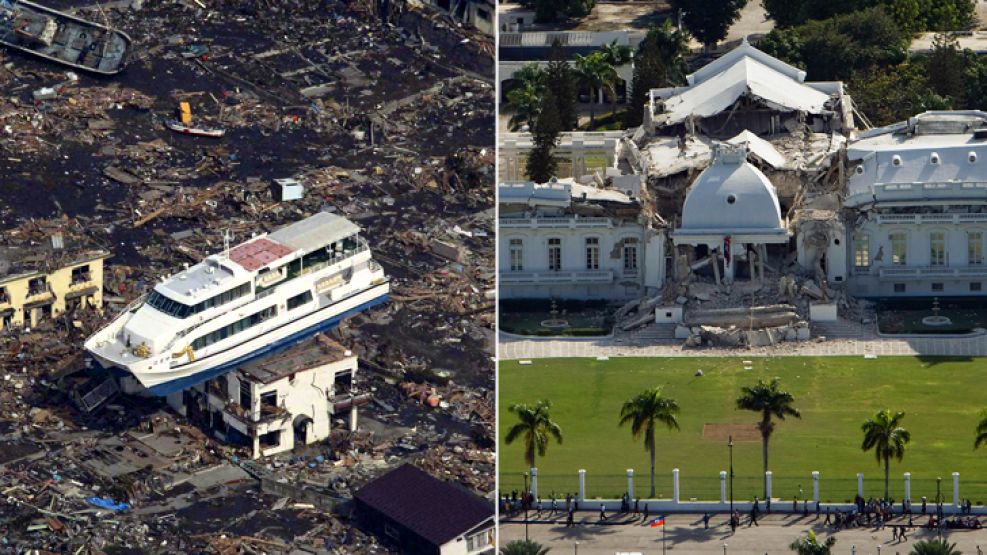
685,535
630,345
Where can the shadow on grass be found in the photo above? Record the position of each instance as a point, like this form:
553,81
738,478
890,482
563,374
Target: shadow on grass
932,360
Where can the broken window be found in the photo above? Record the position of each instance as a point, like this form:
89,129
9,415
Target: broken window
975,286
37,286
555,254
517,255
937,248
899,248
975,248
899,288
937,287
592,253
246,400
270,439
269,402
81,274
4,297
861,251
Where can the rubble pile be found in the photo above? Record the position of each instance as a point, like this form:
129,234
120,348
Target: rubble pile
387,124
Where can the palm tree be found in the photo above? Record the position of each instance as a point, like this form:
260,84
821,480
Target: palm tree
523,101
535,427
597,74
934,547
523,547
643,412
981,430
887,438
765,398
616,55
524,97
809,545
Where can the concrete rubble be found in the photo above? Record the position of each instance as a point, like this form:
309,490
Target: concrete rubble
385,118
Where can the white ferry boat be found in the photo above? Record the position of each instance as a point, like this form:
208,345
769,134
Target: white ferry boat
248,301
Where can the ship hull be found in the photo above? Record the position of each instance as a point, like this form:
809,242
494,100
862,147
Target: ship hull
122,38
165,381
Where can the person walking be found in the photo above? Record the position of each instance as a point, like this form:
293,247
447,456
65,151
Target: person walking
705,521
753,518
569,519
603,512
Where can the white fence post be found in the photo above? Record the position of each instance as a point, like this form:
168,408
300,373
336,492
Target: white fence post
630,483
908,486
675,485
723,486
956,490
534,483
582,485
860,484
767,492
815,487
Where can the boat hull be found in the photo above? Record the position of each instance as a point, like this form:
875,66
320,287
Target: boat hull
124,39
163,382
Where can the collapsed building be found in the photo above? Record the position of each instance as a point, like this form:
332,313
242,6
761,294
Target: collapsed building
767,208
41,281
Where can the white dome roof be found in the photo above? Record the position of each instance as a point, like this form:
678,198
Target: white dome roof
731,195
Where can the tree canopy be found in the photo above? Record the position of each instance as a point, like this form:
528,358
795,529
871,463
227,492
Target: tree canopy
708,20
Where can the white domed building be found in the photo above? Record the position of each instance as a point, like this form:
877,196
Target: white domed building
731,213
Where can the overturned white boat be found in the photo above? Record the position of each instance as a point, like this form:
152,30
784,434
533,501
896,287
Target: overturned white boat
248,301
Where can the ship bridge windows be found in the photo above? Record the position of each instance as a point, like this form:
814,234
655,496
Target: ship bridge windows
179,310
168,306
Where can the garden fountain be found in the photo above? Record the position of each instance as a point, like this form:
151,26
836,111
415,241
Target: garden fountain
936,319
555,322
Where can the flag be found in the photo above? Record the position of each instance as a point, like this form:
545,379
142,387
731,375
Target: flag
660,521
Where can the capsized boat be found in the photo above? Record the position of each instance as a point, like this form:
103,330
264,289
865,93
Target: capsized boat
241,304
62,38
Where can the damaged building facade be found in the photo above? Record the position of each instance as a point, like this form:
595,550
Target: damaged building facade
574,240
771,210
41,282
279,402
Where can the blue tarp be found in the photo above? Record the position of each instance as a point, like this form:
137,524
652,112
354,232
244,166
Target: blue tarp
106,503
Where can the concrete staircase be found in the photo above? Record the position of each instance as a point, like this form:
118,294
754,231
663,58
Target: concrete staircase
842,329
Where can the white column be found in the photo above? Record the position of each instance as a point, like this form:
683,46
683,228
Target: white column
630,483
675,485
723,486
956,490
534,483
767,489
582,485
815,487
353,418
860,484
908,486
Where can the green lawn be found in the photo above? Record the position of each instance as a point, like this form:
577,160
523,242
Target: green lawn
941,398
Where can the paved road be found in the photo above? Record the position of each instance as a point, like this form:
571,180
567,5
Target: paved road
685,536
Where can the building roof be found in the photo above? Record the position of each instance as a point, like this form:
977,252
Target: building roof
743,71
306,355
43,246
761,148
730,196
435,510
932,155
315,232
